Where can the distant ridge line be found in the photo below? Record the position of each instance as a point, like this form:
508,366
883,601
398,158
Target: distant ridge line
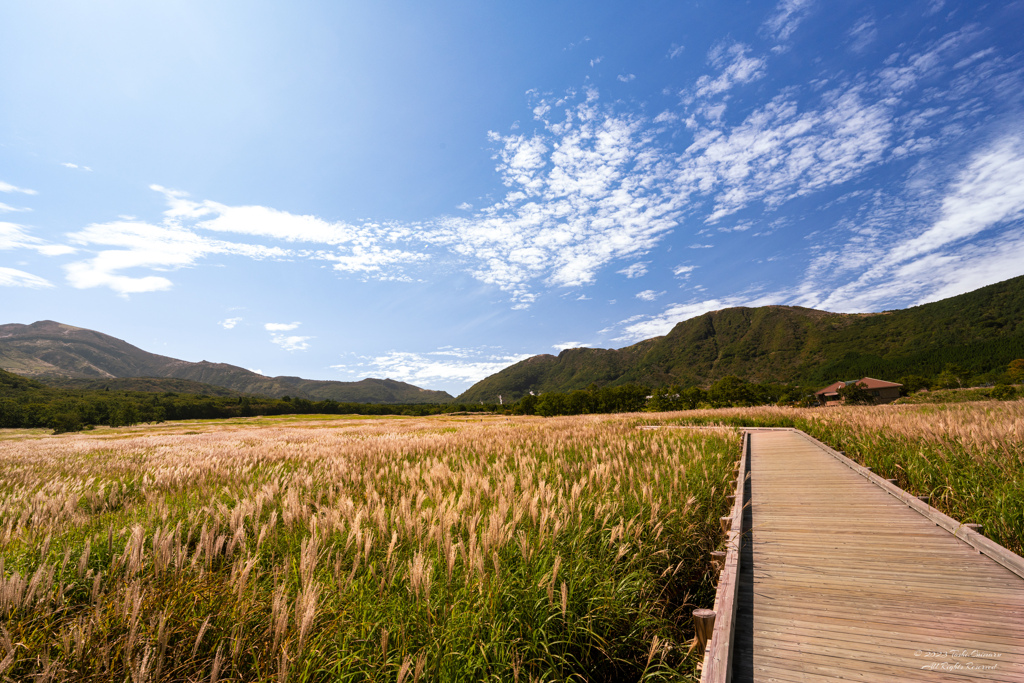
49,349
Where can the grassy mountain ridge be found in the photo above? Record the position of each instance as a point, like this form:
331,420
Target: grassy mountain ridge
980,332
49,349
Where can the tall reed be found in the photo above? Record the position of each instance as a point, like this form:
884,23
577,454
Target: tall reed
433,549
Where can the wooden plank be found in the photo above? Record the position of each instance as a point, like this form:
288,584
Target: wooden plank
956,614
902,633
845,581
839,662
789,670
878,581
913,652
1003,556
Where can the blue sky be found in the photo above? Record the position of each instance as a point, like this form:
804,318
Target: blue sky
432,191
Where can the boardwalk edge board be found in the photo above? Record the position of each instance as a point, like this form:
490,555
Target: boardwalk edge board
717,666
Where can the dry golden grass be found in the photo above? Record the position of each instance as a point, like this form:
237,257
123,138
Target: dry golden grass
399,549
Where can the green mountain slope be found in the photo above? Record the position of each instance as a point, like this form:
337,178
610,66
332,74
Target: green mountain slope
48,349
138,384
980,331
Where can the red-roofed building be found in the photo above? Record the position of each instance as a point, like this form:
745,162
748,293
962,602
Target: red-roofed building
880,390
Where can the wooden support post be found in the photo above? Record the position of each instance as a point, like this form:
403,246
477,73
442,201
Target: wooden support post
924,499
726,523
891,481
718,559
731,498
703,626
976,527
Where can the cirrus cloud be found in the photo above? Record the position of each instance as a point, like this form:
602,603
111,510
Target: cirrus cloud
7,187
12,277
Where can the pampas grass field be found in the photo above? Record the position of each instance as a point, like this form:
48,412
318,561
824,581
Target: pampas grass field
449,548
366,550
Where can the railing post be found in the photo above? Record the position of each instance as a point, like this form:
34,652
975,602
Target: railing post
703,627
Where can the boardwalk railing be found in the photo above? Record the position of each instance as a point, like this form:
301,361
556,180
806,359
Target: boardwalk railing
718,655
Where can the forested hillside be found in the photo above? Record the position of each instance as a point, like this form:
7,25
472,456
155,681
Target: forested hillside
971,337
28,403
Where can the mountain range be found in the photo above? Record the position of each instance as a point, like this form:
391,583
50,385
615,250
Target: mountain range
74,357
974,333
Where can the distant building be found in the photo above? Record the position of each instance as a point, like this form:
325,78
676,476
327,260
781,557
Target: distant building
880,390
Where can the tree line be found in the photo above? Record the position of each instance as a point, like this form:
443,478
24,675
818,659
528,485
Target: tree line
26,403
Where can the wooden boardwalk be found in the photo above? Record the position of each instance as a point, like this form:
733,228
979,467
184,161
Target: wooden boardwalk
841,579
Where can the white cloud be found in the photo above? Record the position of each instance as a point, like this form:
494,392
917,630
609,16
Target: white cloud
642,327
291,342
356,248
648,295
14,236
138,245
863,34
626,78
452,367
787,16
585,39
179,242
636,270
11,277
980,54
285,341
280,327
653,326
230,323
676,51
583,192
372,259
6,208
570,345
901,77
959,248
591,185
779,152
7,187
989,191
972,268
68,164
683,271
736,67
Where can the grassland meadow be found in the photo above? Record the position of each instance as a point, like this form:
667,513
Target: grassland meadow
359,550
